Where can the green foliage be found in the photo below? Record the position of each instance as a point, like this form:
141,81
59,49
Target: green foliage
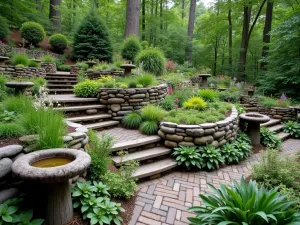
132,84
241,109
87,88
229,96
242,145
4,28
293,128
94,203
189,156
121,185
269,138
231,154
63,67
33,64
195,103
58,42
184,94
271,102
244,203
144,44
131,47
208,95
152,113
82,65
152,60
33,32
17,104
211,157
132,120
99,150
167,103
7,116
146,80
47,59
38,82
3,88
11,130
20,58
149,127
91,40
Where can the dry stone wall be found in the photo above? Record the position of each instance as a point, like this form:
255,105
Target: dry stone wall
217,134
36,54
96,74
23,71
50,67
121,101
9,185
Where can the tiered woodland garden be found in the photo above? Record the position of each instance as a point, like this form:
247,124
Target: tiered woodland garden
55,172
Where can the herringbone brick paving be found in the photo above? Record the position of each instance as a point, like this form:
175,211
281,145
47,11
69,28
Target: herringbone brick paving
166,200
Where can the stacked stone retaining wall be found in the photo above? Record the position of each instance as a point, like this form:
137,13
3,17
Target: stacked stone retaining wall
217,134
50,67
14,71
95,74
36,54
121,101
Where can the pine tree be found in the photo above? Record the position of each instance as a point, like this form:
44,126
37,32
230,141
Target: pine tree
91,40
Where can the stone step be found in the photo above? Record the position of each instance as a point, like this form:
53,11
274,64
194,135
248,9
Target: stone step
88,118
141,155
55,78
154,168
135,143
251,109
103,124
60,73
283,136
60,85
60,91
271,122
79,108
72,99
276,128
62,81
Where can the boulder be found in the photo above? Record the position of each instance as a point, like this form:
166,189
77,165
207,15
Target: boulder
91,111
174,137
5,167
77,135
186,143
209,131
8,194
219,134
204,140
10,151
115,100
195,132
167,130
170,144
115,107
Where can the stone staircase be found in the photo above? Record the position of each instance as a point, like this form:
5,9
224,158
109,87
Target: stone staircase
248,107
276,126
154,159
61,82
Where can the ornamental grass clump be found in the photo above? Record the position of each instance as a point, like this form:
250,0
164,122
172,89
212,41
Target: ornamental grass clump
20,58
47,59
11,129
195,103
152,113
149,127
146,80
208,95
132,120
244,203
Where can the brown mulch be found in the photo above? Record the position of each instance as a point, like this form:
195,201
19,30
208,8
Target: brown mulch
257,149
9,141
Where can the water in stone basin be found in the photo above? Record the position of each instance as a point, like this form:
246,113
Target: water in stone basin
52,162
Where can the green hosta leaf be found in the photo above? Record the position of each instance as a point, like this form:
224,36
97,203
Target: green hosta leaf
7,218
37,222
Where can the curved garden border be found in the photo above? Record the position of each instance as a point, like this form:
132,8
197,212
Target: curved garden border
121,101
217,134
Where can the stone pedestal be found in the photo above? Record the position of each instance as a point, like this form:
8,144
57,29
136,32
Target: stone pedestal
204,82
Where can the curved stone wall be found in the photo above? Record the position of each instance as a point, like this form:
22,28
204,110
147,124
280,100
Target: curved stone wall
95,74
121,101
23,71
217,134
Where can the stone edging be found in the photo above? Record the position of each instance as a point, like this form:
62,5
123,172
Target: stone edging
217,134
121,101
14,71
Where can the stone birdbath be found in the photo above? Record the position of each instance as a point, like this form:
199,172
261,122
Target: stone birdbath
19,87
222,89
127,68
204,82
52,169
3,59
91,63
253,128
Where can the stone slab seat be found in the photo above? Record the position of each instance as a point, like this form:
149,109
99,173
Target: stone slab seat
79,108
276,128
92,117
135,143
102,124
283,136
271,122
141,155
154,168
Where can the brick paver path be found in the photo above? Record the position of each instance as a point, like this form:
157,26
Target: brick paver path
166,200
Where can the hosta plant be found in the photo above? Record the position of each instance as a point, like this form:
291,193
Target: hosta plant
293,128
189,156
211,157
244,204
243,147
231,154
269,138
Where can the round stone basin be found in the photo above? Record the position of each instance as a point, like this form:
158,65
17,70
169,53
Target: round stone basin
19,87
205,75
50,170
254,117
91,63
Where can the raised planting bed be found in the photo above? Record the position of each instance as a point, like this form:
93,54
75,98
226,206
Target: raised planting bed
217,133
14,71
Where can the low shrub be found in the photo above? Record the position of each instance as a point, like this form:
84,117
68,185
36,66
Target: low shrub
269,138
231,154
146,80
4,28
109,84
18,104
11,130
293,128
87,88
195,103
63,67
168,103
33,64
132,84
82,65
20,58
33,32
131,47
208,95
3,88
229,96
93,201
99,150
47,59
132,120
189,156
149,127
184,94
228,204
152,60
58,42
152,113
211,157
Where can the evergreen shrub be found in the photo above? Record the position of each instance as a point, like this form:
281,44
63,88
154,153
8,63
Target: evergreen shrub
33,32
4,29
131,47
58,42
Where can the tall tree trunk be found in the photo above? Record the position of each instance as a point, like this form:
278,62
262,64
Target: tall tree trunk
54,14
230,39
143,20
182,8
155,31
151,25
189,47
216,46
266,33
161,19
132,18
